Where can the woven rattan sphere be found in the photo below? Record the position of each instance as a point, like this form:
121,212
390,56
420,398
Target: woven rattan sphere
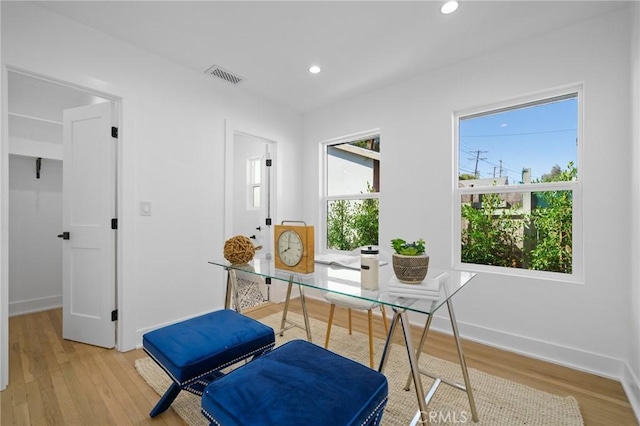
239,249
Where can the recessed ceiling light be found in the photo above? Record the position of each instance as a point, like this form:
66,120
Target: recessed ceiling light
449,7
314,69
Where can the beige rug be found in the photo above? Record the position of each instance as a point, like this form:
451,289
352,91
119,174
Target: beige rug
499,401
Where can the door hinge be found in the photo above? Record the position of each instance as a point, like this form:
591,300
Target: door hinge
114,223
114,315
268,221
269,162
114,132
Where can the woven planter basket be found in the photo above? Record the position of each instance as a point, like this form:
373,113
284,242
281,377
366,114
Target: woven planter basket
410,269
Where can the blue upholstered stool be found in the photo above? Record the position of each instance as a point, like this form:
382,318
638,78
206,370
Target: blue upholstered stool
297,383
194,351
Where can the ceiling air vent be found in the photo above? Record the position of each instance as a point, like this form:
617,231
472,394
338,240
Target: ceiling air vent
225,75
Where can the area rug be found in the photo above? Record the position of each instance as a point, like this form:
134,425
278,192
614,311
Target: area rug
499,402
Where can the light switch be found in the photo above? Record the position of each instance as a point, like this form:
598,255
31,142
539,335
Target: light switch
145,208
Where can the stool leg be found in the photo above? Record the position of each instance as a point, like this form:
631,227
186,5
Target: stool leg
329,322
166,400
370,318
384,319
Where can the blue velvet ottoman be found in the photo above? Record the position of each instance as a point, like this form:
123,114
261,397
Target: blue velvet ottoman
193,352
297,383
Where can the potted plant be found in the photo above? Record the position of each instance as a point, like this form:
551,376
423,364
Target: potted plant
410,261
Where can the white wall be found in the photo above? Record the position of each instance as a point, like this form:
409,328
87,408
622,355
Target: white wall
171,150
631,376
35,217
575,324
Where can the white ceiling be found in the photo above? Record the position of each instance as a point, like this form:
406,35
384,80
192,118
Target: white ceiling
360,45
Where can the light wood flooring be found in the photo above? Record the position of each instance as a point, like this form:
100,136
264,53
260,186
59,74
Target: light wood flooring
59,382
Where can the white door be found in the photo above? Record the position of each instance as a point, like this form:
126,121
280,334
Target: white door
88,205
253,189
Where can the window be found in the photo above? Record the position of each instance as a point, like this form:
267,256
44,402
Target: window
518,187
254,172
351,177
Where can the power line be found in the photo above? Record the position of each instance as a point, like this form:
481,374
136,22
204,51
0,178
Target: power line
478,152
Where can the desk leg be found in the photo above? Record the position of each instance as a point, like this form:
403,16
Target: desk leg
463,364
285,311
413,361
286,308
303,302
227,297
387,344
232,290
420,346
415,369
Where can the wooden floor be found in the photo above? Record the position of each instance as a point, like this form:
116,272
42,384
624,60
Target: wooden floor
59,382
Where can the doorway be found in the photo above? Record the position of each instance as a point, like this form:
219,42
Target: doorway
250,194
34,151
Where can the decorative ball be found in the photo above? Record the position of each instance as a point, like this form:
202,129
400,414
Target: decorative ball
239,250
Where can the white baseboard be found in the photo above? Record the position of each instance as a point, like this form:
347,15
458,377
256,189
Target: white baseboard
631,386
577,359
34,305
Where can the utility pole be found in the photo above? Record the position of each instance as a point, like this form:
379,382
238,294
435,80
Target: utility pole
500,168
475,172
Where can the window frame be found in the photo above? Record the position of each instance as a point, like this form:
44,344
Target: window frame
324,184
577,270
251,184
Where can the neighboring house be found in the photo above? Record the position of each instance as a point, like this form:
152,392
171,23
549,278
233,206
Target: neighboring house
497,181
352,161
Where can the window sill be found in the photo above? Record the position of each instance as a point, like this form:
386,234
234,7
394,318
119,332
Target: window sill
522,273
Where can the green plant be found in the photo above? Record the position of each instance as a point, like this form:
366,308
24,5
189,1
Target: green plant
352,223
552,225
415,248
492,235
540,240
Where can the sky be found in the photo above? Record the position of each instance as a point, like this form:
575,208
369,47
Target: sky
536,137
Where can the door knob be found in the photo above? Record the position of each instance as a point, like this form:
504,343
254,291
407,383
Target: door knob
64,235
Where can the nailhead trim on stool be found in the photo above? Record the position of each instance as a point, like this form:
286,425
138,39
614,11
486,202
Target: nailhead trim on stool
297,383
193,352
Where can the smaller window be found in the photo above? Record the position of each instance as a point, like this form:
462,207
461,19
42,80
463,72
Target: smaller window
351,192
254,192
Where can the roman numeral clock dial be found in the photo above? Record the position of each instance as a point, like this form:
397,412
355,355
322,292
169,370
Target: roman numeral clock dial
294,247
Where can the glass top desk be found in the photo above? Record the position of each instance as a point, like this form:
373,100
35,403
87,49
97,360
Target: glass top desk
346,282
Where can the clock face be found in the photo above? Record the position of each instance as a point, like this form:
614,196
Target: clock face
290,248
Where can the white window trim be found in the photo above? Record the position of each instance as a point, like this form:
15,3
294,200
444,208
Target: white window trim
577,275
324,198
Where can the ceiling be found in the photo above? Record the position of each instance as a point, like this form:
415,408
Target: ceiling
360,45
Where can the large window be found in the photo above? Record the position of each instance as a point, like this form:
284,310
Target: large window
518,187
351,177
